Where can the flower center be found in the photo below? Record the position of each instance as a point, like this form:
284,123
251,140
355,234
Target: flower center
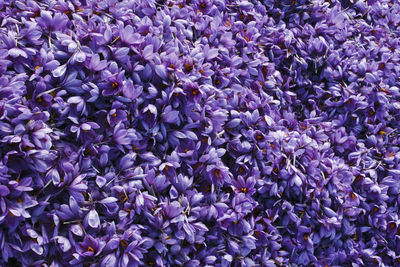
115,85
124,243
244,190
188,66
217,173
90,249
123,198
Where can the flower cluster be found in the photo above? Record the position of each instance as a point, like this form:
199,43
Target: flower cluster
199,133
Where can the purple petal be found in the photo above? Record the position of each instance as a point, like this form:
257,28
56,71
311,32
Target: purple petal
161,71
100,181
63,242
4,191
86,126
59,71
16,52
76,230
212,53
74,100
51,65
132,91
80,56
171,116
92,219
148,52
54,176
108,200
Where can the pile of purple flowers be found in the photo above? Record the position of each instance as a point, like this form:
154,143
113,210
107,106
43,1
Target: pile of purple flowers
199,133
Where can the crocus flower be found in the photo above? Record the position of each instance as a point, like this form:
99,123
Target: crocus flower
199,133
90,247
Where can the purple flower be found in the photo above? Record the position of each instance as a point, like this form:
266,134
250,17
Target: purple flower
173,209
121,135
218,174
85,131
242,186
115,82
171,116
199,133
92,219
52,23
96,64
128,35
114,117
90,247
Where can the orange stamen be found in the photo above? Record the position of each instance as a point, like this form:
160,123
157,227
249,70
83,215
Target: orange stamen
124,243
